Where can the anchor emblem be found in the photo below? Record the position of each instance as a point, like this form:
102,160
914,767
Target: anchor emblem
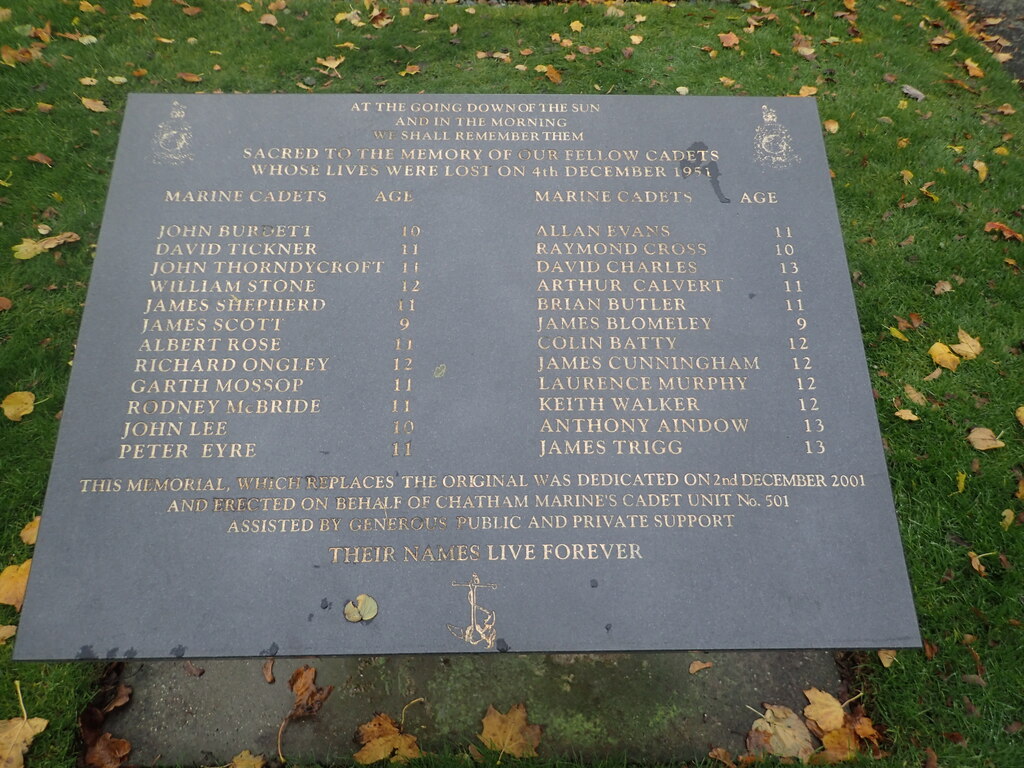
481,620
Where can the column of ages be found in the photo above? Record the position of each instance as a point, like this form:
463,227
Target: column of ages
403,418
798,345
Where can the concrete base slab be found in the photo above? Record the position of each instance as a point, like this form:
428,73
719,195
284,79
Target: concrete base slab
645,707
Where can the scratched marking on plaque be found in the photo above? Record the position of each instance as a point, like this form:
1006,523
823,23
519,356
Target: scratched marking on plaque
172,141
773,144
481,620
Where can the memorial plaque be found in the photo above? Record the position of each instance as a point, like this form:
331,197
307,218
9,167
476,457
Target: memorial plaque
532,373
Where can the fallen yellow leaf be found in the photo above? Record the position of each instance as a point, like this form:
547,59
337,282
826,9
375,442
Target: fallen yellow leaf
943,355
30,531
18,404
832,126
13,580
364,608
698,666
1019,413
247,759
824,709
510,733
973,69
961,481
1007,519
94,105
982,168
984,439
576,26
382,739
907,415
896,333
7,631
915,397
887,656
968,348
16,736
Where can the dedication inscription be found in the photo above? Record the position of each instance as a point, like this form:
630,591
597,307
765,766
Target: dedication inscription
534,373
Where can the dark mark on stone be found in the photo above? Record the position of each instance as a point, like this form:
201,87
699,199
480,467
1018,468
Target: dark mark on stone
131,653
607,627
310,617
751,295
112,653
178,651
273,649
86,652
501,645
593,583
326,604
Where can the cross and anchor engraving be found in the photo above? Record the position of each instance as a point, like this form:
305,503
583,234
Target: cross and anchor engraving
481,620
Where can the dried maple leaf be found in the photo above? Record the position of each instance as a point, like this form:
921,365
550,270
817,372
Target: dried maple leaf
246,759
907,415
40,158
780,732
510,733
309,698
94,105
552,74
190,77
13,580
107,752
382,739
1005,231
824,709
16,735
122,696
969,347
984,439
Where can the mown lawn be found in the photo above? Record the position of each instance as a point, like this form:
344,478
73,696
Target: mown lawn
928,190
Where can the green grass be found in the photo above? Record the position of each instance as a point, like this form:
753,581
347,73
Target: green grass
921,701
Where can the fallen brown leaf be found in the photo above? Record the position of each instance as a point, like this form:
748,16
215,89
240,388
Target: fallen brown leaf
510,733
382,739
309,698
984,439
13,581
698,666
